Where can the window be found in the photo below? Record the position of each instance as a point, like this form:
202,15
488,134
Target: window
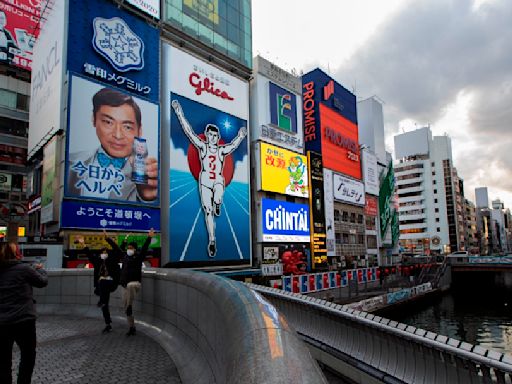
352,239
7,98
338,239
345,238
434,182
360,239
433,164
435,191
344,216
360,219
436,210
336,215
437,219
438,229
352,217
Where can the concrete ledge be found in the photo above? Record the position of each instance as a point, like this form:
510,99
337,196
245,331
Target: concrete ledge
216,330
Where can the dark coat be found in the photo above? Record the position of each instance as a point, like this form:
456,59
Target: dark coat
132,265
16,296
111,264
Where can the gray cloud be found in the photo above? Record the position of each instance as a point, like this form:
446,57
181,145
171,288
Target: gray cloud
422,58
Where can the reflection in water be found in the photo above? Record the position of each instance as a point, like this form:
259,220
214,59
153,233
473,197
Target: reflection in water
475,317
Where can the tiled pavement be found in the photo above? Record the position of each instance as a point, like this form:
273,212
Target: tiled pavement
73,350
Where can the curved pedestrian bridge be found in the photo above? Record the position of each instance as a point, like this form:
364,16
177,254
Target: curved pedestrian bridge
216,330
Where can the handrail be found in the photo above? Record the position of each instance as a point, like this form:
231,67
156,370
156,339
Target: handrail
371,339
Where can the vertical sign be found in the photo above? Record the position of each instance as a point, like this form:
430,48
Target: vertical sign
49,178
386,192
329,212
316,202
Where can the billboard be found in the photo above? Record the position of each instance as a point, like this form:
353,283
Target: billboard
316,203
370,173
112,139
90,215
110,45
50,181
387,188
340,143
371,207
283,108
209,210
348,190
285,221
329,213
283,171
151,7
47,76
19,30
318,88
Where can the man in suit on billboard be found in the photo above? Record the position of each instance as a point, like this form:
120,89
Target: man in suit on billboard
211,180
107,172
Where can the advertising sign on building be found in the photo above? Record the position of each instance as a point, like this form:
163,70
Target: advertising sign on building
5,182
114,47
387,188
348,190
283,171
151,7
371,207
370,173
113,145
316,203
285,221
270,264
329,212
209,175
283,108
86,215
319,89
50,181
19,31
340,143
47,76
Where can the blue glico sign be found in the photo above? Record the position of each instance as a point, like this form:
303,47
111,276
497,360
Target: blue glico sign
114,47
284,221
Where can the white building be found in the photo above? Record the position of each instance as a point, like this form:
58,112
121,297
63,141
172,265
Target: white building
498,215
426,192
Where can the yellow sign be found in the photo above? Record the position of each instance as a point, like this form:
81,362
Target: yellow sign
283,171
208,9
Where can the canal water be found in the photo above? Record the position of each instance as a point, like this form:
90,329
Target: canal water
477,315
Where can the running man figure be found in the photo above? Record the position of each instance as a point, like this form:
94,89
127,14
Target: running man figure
211,181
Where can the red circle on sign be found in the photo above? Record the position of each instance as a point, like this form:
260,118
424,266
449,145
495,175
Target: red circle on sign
194,163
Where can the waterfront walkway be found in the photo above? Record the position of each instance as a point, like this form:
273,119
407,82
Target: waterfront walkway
73,350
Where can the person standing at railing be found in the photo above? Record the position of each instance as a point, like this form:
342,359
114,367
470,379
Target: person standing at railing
17,312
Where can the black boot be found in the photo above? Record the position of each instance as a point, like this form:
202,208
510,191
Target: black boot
107,329
131,332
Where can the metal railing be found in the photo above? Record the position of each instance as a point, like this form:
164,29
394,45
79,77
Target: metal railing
386,350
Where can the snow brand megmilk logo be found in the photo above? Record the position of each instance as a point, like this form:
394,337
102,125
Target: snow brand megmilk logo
116,42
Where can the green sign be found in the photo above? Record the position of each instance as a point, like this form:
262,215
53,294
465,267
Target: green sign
140,239
387,188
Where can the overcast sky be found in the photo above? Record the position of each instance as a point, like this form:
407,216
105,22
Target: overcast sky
447,63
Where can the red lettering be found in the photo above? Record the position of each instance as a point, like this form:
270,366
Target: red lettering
207,86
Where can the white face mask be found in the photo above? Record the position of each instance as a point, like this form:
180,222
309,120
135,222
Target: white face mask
130,252
104,256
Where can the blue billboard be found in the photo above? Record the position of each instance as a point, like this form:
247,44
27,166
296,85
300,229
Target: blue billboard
318,87
112,46
86,215
285,221
209,194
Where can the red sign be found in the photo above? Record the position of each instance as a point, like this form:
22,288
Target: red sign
340,143
371,207
18,31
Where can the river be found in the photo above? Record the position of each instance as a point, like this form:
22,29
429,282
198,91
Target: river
477,316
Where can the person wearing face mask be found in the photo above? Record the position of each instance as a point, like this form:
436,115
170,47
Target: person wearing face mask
106,278
131,275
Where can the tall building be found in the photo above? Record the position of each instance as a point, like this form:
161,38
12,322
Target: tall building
376,165
429,193
471,231
18,33
498,215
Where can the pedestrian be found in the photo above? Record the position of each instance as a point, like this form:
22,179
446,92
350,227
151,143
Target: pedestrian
131,276
106,277
17,312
